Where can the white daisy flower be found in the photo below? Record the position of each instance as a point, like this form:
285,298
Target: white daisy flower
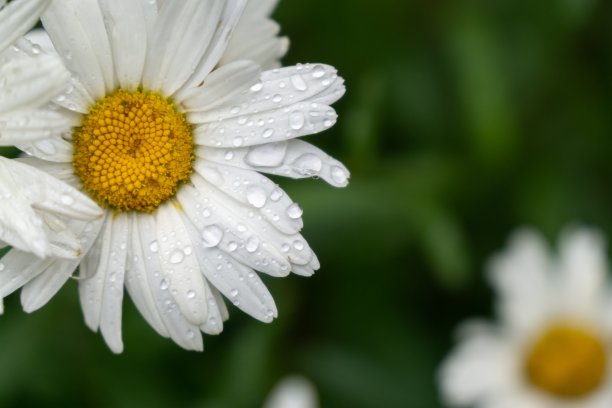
553,345
171,142
293,391
31,200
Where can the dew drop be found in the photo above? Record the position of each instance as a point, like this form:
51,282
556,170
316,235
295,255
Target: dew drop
176,256
267,133
238,141
276,194
285,247
229,155
266,155
296,120
257,87
190,334
277,98
66,199
234,292
318,71
154,246
256,196
252,244
234,110
308,164
163,285
298,83
232,246
294,211
191,294
212,235
36,49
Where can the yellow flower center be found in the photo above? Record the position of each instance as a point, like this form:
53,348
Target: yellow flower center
567,361
132,150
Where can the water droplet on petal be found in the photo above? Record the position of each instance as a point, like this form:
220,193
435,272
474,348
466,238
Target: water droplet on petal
252,244
154,246
238,141
66,199
318,71
229,155
299,245
191,294
267,133
277,98
294,211
266,155
163,285
276,194
296,120
257,87
308,164
256,196
177,256
234,292
232,246
212,235
298,82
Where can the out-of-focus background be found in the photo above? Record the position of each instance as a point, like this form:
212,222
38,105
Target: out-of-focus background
463,120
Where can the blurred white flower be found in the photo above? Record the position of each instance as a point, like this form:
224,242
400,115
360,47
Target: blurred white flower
169,133
31,200
293,392
551,348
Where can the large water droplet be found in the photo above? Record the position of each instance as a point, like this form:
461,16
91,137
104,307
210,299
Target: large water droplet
154,246
318,71
296,120
266,155
298,82
308,164
256,196
276,194
294,211
252,244
176,256
212,235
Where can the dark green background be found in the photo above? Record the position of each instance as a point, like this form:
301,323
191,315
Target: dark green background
462,121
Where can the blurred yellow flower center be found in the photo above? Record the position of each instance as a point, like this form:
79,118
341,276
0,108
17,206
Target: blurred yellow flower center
567,361
132,150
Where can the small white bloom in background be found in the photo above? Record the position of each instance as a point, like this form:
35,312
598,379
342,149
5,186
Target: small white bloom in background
552,345
170,132
31,201
293,392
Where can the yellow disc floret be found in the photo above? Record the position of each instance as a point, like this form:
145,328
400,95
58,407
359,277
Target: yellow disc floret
567,361
133,150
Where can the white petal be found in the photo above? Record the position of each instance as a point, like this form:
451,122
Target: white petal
127,29
293,158
222,85
19,268
49,194
51,149
77,30
37,292
31,126
255,191
304,118
102,294
481,367
522,277
239,283
231,226
179,265
18,17
242,223
584,269
137,282
217,312
181,331
223,31
180,37
28,82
